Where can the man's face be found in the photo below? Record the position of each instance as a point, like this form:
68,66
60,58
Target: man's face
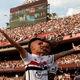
37,47
47,48
40,47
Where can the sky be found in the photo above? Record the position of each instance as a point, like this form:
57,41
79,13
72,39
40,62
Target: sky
61,7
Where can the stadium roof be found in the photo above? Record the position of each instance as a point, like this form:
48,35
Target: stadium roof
11,50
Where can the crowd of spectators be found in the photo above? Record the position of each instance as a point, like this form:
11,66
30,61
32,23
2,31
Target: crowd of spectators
11,64
72,58
67,76
56,29
16,77
60,76
64,76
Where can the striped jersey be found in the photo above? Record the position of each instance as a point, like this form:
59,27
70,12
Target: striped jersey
37,66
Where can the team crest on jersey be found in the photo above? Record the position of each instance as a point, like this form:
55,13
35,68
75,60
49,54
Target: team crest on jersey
38,74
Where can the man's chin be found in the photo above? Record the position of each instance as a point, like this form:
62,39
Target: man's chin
43,52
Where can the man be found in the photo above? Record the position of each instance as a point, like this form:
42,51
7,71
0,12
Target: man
52,70
36,64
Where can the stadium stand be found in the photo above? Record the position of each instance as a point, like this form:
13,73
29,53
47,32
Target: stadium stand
11,66
56,29
61,32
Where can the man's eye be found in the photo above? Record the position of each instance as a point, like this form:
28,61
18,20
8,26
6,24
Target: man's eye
47,46
40,43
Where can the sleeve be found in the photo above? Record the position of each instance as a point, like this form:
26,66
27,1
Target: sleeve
27,59
53,69
50,60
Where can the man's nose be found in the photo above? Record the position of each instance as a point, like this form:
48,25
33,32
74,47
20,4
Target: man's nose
44,46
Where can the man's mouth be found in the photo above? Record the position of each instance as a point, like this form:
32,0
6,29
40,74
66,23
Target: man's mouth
43,49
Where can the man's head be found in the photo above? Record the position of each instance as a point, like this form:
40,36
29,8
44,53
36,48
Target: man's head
47,46
33,40
39,46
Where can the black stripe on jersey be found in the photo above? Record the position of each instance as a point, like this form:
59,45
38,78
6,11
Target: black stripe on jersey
35,68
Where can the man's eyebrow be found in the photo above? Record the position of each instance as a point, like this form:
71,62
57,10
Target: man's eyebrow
40,42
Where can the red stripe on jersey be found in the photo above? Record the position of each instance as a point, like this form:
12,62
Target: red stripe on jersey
35,63
44,63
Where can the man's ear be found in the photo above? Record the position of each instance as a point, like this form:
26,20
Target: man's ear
32,47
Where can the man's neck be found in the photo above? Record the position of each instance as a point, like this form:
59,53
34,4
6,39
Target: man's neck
38,54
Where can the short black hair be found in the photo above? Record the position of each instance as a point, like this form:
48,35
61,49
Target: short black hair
32,40
47,42
35,39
